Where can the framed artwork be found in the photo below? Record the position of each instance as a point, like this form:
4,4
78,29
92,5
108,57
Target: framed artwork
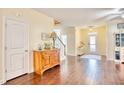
45,36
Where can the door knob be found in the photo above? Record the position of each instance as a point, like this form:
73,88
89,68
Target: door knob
26,50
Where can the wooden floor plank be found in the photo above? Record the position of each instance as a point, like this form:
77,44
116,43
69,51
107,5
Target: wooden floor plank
76,71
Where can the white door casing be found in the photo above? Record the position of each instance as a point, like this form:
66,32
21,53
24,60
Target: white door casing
16,48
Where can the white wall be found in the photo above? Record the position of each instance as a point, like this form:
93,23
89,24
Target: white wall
38,23
0,46
112,28
71,40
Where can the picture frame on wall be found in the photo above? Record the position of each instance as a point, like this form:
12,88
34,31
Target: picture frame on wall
44,36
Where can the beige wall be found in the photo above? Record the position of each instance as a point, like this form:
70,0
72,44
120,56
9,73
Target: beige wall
77,36
102,36
0,46
38,23
101,39
71,40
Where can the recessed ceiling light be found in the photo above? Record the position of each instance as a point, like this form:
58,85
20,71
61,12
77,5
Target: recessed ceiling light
90,28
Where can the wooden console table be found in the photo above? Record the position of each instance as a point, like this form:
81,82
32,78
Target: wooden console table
45,59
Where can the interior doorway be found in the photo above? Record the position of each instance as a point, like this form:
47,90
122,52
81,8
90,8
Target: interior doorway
92,43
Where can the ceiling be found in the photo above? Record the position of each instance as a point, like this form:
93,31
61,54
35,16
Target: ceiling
79,16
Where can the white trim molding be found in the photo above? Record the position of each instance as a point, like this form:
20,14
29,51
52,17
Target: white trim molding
63,58
2,82
110,59
71,54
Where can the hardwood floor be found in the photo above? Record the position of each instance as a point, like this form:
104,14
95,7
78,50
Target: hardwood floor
75,71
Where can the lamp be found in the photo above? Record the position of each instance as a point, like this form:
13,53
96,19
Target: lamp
53,35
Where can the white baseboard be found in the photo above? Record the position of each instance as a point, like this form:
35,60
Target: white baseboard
110,59
2,82
63,58
71,55
31,70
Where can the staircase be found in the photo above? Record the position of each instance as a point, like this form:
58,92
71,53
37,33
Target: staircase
60,45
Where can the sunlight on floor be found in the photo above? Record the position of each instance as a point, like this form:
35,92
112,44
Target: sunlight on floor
92,65
97,57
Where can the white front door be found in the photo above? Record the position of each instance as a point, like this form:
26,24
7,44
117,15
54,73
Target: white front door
92,44
16,48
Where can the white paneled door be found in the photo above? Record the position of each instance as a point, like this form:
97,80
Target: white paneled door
16,48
